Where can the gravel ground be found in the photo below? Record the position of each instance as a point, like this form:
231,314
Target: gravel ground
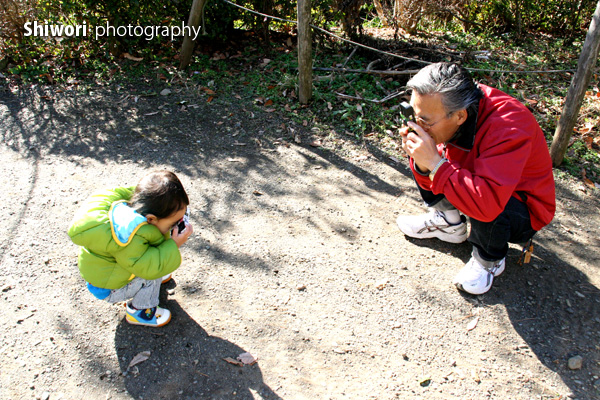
295,259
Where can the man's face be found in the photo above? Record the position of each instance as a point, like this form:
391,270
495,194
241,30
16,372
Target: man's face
431,115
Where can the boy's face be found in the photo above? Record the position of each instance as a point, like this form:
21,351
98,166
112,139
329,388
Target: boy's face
164,225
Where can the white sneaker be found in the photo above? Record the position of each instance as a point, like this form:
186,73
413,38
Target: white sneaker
432,225
166,278
474,278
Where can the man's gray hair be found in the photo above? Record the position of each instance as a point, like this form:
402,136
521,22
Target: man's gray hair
453,82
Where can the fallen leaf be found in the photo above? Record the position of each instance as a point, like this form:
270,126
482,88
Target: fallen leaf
289,42
586,129
209,91
530,101
316,143
257,193
472,324
234,362
140,357
247,358
165,92
589,183
269,102
209,99
305,123
132,58
381,284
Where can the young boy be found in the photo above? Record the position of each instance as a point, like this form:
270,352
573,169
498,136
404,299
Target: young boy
127,249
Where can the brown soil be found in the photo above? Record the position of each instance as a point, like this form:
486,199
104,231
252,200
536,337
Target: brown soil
296,259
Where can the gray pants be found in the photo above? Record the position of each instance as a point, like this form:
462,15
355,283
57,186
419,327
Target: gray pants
144,294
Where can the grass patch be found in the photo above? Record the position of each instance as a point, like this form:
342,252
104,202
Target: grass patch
348,103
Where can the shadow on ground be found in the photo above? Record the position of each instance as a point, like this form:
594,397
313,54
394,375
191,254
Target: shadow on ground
554,308
185,362
550,303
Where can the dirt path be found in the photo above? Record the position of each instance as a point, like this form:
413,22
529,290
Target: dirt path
296,260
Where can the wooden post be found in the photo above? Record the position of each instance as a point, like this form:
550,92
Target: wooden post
579,84
188,43
304,52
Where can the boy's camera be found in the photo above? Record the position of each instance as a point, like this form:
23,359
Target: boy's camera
183,222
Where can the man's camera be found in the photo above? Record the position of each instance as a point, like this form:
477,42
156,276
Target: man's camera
406,112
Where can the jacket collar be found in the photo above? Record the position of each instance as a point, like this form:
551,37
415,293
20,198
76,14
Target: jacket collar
464,137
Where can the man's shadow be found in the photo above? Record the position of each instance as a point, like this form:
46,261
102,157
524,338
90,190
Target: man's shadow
185,362
551,305
554,307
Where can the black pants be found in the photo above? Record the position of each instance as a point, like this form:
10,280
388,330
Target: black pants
490,239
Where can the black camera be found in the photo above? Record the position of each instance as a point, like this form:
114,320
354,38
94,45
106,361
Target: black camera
183,222
406,111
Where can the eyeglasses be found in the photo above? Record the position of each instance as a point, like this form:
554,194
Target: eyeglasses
427,126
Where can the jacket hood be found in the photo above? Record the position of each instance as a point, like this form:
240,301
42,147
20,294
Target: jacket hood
124,222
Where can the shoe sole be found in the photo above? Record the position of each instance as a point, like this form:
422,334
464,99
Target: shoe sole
445,237
136,322
167,280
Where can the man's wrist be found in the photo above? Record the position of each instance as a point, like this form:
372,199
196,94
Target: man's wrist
435,169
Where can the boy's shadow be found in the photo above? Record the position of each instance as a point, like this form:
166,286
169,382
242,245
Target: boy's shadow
185,362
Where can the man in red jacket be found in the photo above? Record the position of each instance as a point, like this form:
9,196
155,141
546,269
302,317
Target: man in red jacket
475,151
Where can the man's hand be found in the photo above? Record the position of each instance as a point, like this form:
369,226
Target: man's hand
182,237
420,146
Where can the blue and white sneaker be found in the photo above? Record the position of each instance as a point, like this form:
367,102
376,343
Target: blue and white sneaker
155,316
475,278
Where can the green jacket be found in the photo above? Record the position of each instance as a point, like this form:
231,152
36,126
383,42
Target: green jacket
118,244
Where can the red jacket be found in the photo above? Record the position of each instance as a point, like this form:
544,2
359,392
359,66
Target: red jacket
505,155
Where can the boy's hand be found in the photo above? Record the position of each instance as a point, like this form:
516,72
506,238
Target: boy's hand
182,237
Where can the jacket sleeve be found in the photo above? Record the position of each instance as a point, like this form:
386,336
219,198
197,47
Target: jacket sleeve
148,261
482,191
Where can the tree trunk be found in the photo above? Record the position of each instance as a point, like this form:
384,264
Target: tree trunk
188,43
579,84
381,12
304,52
408,14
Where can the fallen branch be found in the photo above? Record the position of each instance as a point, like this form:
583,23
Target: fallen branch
386,98
364,71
